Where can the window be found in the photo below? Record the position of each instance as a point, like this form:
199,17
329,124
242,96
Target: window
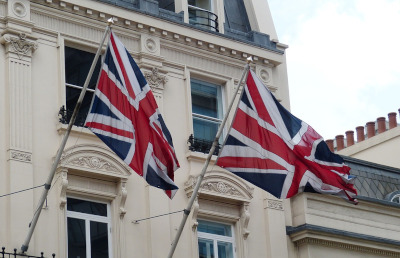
77,66
206,109
167,5
88,229
215,240
236,16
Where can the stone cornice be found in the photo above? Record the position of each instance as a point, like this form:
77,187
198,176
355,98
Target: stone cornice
311,234
177,33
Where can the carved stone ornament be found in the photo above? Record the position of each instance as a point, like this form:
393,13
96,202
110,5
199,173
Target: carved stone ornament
94,163
123,195
275,204
154,79
21,156
63,188
19,9
195,212
151,45
96,159
21,46
219,183
245,218
264,75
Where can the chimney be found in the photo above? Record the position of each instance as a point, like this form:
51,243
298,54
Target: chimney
360,133
381,124
339,142
392,120
350,138
330,144
370,129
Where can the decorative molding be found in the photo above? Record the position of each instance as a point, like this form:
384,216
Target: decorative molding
20,45
195,212
96,160
63,188
155,79
221,184
92,186
264,75
72,11
151,45
340,245
19,9
93,162
274,204
21,156
245,218
123,193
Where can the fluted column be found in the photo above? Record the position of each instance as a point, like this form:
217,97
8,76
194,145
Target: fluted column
18,46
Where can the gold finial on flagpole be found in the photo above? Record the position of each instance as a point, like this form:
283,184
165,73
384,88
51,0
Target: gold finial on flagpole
249,60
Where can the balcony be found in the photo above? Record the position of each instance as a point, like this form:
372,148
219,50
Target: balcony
203,18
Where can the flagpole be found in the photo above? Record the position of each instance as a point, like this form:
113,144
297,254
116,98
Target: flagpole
186,211
47,185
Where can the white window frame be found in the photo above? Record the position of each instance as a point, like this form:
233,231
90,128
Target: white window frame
88,218
220,105
215,238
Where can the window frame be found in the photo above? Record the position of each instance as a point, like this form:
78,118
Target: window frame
88,218
220,106
68,109
216,238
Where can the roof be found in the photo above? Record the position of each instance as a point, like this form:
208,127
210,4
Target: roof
374,180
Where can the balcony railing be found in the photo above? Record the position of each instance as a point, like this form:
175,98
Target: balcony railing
4,254
203,18
65,115
201,145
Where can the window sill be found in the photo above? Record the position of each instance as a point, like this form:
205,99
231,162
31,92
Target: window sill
199,156
62,128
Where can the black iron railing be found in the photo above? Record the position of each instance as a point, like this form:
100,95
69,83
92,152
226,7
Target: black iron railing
4,254
65,115
201,145
203,18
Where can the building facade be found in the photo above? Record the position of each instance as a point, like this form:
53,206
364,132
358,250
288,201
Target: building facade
192,54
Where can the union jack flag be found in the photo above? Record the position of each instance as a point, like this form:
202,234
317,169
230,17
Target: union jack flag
125,116
278,152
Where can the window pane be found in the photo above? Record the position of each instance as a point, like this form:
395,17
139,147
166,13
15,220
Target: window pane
214,228
76,238
72,95
94,208
225,250
205,129
77,66
205,99
99,239
206,248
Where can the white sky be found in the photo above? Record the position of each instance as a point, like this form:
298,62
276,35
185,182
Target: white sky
343,60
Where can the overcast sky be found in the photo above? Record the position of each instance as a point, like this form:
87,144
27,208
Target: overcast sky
343,60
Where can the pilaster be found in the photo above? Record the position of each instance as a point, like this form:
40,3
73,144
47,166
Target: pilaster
19,47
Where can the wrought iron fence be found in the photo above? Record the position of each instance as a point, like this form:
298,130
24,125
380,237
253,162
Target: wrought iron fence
201,145
4,254
65,115
203,18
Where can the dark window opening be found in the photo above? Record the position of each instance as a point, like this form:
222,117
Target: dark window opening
77,66
236,16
